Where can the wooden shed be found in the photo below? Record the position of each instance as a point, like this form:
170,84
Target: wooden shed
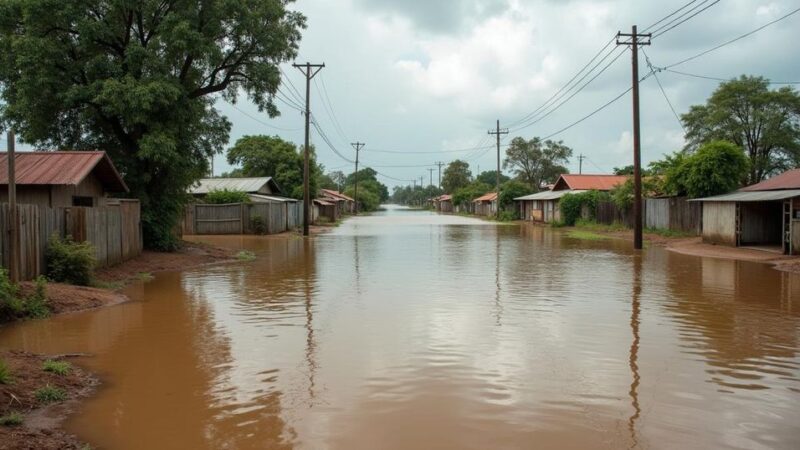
259,189
764,216
61,179
485,205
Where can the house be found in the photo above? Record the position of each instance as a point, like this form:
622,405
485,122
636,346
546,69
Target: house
544,206
444,203
327,208
346,203
259,189
765,215
485,205
61,179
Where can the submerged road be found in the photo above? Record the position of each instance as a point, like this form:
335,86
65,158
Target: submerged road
410,330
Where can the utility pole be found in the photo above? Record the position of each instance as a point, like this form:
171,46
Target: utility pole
309,70
497,133
637,151
358,146
13,221
431,174
580,163
440,164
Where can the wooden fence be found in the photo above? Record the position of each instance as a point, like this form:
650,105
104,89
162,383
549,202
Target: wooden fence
113,230
240,218
674,213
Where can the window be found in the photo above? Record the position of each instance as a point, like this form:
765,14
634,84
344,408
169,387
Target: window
82,201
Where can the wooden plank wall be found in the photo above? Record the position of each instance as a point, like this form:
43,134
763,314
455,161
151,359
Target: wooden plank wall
114,231
674,213
237,218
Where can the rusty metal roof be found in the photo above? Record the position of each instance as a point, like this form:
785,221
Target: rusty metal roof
490,197
323,202
547,195
787,180
587,182
336,194
752,196
249,185
445,198
62,168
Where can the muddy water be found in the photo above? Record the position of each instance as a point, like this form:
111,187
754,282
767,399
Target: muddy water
409,330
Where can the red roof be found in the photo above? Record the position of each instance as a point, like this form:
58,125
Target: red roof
445,198
490,197
62,168
336,195
787,180
577,182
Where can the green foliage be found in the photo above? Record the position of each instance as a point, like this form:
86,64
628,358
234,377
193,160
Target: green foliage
69,261
506,216
622,194
271,156
586,235
14,306
11,419
5,373
764,123
490,177
50,394
62,368
225,196
511,190
140,80
367,180
258,224
368,200
35,305
245,255
571,205
715,168
456,176
468,193
418,195
535,161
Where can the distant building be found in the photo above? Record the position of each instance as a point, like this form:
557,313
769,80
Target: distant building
346,203
485,205
59,179
765,215
259,189
443,203
544,206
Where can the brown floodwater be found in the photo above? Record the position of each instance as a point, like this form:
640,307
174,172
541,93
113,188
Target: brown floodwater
408,330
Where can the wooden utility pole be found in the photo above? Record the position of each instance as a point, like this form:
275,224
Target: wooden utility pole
13,220
358,146
309,70
440,164
580,163
430,171
634,43
497,132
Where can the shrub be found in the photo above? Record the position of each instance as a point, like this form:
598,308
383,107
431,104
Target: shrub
258,224
69,261
226,196
57,367
35,305
506,216
50,394
11,419
11,306
571,205
5,373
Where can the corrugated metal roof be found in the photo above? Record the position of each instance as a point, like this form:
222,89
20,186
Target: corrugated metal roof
787,180
249,185
337,194
757,196
587,182
548,195
272,198
323,202
62,168
445,198
490,197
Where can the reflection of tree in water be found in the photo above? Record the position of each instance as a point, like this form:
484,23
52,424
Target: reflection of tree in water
735,316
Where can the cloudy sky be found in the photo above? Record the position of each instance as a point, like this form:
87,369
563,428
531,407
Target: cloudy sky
417,76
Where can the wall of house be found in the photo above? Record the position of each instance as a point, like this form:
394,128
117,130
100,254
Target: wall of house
28,195
761,223
55,196
719,222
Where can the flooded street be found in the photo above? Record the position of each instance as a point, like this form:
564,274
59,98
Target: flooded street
410,330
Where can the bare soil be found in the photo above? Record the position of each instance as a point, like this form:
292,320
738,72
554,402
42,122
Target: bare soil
40,428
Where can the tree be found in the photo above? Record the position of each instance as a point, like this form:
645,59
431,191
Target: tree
490,177
271,156
456,175
537,162
512,189
226,196
368,179
338,178
470,192
715,168
139,80
764,123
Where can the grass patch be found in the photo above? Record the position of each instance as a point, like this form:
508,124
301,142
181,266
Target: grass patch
50,394
5,373
11,419
108,285
586,235
144,276
245,255
668,233
57,367
600,227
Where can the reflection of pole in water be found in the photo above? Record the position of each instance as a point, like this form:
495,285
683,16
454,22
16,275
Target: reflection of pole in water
634,352
311,345
498,306
358,266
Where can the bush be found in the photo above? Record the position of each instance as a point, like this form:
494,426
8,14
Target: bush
11,419
69,261
35,305
506,216
258,225
50,394
11,305
571,205
57,367
226,196
512,189
5,373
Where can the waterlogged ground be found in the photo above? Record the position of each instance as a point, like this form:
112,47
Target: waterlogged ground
410,330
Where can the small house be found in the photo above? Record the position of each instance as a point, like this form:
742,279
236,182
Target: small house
346,204
765,216
544,206
444,203
259,189
485,205
62,179
327,208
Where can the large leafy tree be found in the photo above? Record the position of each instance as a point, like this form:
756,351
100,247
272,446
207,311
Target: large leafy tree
368,179
535,161
456,176
271,156
715,168
139,78
490,177
764,123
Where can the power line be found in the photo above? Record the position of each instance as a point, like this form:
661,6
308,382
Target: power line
654,71
749,33
330,105
717,78
325,138
415,152
294,93
670,15
672,24
261,121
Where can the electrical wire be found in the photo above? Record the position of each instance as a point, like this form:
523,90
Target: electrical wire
261,121
681,19
328,141
292,90
654,71
670,15
332,113
719,79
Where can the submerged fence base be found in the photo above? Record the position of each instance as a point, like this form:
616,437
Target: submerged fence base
242,218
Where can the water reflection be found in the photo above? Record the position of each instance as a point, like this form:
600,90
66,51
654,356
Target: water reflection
634,352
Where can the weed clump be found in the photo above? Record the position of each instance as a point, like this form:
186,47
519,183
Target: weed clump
14,306
258,225
50,394
62,368
11,419
69,261
5,373
245,255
